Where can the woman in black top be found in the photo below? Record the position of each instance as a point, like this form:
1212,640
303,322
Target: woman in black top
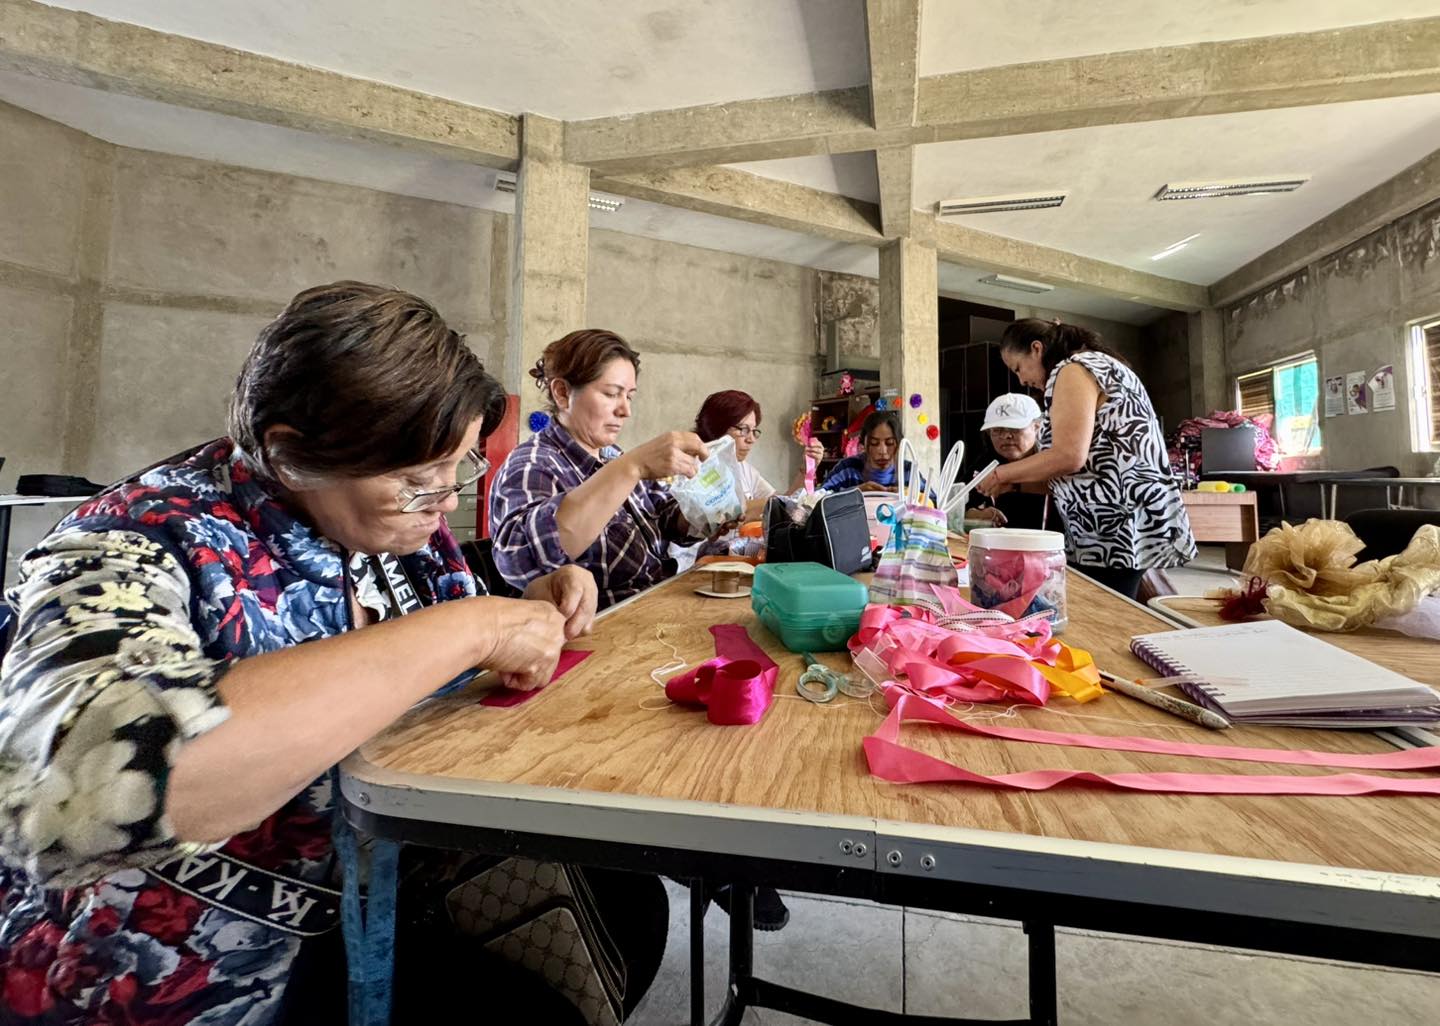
1012,424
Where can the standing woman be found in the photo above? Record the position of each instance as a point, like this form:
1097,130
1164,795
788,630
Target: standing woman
1101,452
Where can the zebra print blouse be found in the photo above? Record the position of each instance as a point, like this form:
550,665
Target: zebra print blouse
1122,508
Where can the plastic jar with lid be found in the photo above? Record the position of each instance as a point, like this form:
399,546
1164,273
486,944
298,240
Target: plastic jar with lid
1019,571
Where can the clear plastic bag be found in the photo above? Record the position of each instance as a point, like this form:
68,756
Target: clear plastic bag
711,499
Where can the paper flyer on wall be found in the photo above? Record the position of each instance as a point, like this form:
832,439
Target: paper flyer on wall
1382,388
1335,396
1356,398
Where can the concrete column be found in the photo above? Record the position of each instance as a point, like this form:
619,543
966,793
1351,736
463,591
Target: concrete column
1209,381
549,241
82,350
909,337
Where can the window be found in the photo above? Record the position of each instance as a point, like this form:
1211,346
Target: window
1290,392
1423,356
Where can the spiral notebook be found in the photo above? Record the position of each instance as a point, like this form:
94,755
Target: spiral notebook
1270,673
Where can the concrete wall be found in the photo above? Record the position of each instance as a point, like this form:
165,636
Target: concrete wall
704,321
1165,367
1352,308
132,284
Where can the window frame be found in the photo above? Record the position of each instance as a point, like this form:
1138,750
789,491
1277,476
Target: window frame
1273,370
1424,415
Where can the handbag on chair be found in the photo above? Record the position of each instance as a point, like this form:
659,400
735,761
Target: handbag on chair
542,917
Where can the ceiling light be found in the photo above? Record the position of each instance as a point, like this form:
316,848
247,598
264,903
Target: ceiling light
1175,247
1005,281
1234,187
999,204
505,182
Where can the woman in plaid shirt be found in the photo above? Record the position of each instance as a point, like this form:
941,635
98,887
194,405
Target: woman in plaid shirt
568,495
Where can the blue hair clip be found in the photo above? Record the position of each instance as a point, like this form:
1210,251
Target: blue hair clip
539,421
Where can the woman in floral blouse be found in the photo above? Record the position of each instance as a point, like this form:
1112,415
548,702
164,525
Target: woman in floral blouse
163,730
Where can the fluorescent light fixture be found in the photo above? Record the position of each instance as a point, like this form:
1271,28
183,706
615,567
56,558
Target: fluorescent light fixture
505,182
1175,247
1233,187
1000,204
1005,281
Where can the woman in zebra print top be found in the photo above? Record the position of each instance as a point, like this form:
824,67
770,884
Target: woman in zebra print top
1101,454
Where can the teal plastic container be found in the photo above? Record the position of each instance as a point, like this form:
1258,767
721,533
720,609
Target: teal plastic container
809,607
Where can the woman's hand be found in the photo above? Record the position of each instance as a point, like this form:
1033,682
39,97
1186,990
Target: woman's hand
668,455
871,486
990,513
525,640
815,450
572,591
994,484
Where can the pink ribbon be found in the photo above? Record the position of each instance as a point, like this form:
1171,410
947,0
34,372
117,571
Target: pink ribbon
968,666
893,761
736,687
503,697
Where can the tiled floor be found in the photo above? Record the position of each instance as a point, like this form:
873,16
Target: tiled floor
966,966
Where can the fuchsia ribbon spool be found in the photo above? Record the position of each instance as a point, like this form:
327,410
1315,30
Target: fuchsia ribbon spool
736,687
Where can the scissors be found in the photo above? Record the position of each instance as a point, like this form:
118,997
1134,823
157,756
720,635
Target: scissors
819,683
828,681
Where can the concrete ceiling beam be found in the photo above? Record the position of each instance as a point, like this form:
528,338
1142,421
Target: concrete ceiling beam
728,192
1392,199
958,244
80,49
1363,62
893,34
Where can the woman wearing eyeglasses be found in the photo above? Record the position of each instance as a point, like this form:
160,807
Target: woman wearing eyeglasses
1012,425
199,645
737,414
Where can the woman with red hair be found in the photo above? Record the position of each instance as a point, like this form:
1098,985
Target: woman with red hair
737,414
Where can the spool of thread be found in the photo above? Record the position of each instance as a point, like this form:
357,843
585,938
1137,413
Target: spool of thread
724,582
1238,488
1213,486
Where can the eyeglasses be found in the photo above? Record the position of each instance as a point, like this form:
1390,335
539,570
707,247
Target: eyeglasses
745,432
999,433
473,468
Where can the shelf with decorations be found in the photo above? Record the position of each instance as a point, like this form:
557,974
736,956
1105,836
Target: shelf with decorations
830,415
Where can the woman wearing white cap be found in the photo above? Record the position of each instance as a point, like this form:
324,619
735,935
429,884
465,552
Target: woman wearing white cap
1012,423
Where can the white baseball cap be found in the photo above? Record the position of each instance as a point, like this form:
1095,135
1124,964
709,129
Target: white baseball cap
1011,410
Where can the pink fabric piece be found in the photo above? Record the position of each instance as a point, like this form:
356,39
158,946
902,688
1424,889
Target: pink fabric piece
736,687
893,761
503,697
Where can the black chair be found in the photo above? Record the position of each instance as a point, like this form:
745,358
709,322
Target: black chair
1386,532
480,557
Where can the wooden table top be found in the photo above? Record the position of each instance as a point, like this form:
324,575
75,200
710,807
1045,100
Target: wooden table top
607,727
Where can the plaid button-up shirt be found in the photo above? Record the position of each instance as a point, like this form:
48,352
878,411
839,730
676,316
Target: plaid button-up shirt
628,557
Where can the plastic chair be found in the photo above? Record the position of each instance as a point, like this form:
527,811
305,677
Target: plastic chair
1386,532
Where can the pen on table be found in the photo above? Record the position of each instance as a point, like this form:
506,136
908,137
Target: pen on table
1171,704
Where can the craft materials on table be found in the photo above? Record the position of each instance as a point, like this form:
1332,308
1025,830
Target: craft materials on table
819,683
916,557
1169,703
736,687
1271,673
809,607
725,580
1019,571
890,760
967,654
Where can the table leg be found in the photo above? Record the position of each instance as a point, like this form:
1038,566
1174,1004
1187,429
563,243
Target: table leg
1043,1003
4,543
698,904
1388,503
742,953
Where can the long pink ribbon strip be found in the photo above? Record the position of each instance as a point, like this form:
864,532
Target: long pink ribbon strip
503,697
893,761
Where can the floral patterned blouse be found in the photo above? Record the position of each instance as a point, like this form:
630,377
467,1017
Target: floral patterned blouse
130,612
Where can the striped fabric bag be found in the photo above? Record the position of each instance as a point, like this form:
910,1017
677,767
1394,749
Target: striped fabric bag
915,560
